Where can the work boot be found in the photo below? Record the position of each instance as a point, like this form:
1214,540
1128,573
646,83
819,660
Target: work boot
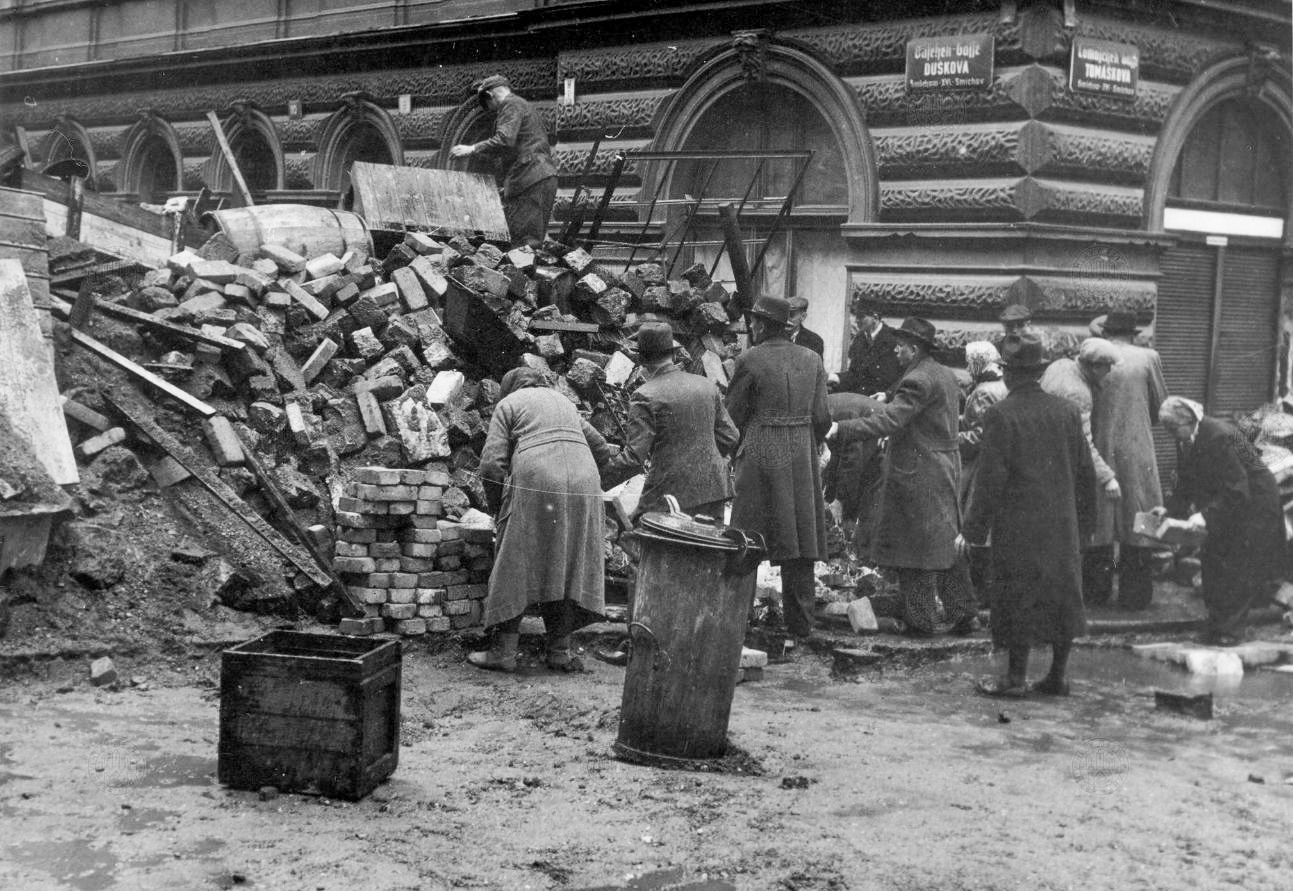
560,655
500,657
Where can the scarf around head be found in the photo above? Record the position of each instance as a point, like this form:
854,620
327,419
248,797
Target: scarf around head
1182,409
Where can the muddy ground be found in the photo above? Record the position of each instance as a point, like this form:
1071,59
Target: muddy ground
892,778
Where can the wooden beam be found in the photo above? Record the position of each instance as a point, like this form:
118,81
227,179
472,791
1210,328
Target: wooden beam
193,335
243,191
83,305
744,298
76,198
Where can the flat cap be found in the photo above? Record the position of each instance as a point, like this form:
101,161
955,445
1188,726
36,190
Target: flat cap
494,80
1015,312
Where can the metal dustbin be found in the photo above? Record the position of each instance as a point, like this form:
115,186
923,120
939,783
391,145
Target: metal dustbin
690,609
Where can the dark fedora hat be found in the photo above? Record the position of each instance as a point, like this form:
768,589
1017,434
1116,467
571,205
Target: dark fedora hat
1015,312
655,339
863,305
1119,321
772,309
1023,351
920,330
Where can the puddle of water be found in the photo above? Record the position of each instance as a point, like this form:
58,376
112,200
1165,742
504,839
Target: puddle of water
671,879
73,864
170,770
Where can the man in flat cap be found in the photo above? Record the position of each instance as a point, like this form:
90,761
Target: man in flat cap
778,400
530,184
1122,425
918,517
1016,319
796,330
678,426
1032,493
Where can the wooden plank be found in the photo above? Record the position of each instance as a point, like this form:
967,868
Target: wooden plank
301,733
28,390
449,202
110,237
559,325
76,203
216,486
302,697
143,375
82,306
230,159
110,209
133,315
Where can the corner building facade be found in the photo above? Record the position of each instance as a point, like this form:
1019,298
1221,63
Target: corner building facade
1167,193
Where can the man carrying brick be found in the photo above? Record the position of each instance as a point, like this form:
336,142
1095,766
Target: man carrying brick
530,185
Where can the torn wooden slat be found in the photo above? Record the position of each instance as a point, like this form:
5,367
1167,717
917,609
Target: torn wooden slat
292,553
193,335
559,325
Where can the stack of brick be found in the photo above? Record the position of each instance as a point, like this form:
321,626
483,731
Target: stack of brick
414,570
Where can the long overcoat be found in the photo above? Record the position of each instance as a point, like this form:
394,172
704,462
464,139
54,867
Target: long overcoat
1122,426
677,423
918,518
550,522
873,366
777,398
1222,476
1033,494
1063,378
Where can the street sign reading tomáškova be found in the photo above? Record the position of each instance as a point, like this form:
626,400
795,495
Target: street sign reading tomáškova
1103,66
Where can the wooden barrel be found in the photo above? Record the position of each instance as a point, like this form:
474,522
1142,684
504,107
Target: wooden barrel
310,231
22,238
690,609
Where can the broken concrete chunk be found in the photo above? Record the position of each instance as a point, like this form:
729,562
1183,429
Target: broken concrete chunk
484,280
286,260
445,388
578,260
549,346
862,616
266,417
584,374
619,369
422,243
522,258
366,343
419,429
102,672
324,352
248,334
223,441
323,265
383,295
612,307
96,444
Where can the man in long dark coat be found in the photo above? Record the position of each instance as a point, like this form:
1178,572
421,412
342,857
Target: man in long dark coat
677,423
918,517
873,367
778,400
530,185
1033,493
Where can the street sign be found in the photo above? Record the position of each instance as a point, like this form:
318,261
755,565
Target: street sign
1105,67
950,62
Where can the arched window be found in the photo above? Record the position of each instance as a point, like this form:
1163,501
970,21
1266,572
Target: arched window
1236,158
151,160
69,139
256,148
362,131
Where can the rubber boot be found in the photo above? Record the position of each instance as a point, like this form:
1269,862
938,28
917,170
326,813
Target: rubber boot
560,655
500,657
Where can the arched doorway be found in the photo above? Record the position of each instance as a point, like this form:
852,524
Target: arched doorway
1220,184
256,148
150,162
362,131
772,97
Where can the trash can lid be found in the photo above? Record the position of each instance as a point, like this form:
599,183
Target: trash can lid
677,525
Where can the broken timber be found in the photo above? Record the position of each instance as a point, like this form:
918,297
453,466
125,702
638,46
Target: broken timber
185,332
292,553
284,512
103,351
230,159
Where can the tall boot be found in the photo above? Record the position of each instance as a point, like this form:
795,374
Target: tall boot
500,657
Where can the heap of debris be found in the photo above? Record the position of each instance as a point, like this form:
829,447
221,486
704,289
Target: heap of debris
322,364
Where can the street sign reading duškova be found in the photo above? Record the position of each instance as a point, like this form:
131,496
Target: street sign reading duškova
950,62
1103,66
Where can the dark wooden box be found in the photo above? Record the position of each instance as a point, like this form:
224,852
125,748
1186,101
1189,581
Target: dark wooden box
312,713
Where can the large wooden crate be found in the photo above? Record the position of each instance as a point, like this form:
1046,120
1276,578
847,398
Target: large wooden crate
312,713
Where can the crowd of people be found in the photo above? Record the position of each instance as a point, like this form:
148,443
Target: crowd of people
1014,491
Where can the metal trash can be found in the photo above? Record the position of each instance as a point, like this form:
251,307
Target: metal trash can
690,609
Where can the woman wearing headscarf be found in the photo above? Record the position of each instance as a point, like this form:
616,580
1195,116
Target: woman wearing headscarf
1223,486
540,466
983,363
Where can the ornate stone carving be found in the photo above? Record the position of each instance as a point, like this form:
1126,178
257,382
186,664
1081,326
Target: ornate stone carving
1076,202
1173,53
422,125
932,150
298,170
653,61
888,104
570,162
609,115
752,51
1071,152
1145,112
1089,297
299,132
195,138
192,178
983,298
949,199
878,46
909,295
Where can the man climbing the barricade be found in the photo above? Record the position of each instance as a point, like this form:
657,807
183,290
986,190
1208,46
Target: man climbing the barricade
530,184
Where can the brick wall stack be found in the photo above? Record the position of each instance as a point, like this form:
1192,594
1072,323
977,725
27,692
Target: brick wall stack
414,570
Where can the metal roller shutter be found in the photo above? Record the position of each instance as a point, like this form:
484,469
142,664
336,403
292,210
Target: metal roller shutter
1183,331
1246,359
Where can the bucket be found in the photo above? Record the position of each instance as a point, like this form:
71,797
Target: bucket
690,609
310,231
22,238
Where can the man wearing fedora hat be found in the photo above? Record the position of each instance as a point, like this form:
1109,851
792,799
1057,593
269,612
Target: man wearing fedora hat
915,526
678,426
1032,493
1125,409
530,184
777,398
